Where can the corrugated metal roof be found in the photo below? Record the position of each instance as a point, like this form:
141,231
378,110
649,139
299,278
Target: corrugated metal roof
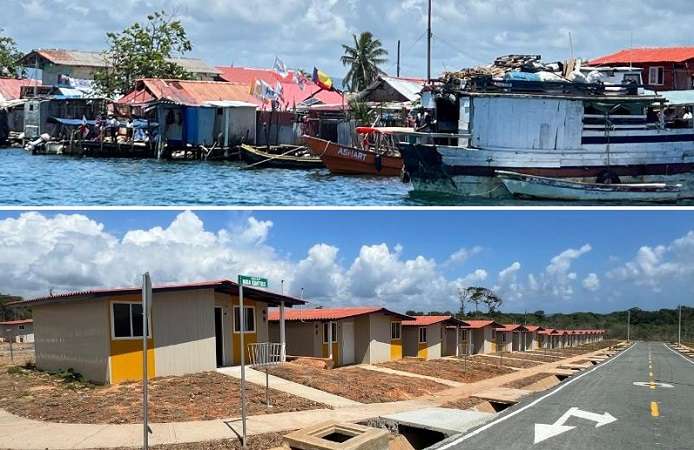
221,285
319,314
10,88
534,328
475,324
423,321
84,58
292,93
511,328
647,55
408,87
186,92
17,322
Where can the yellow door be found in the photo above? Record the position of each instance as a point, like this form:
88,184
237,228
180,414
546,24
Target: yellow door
493,346
249,337
395,349
422,350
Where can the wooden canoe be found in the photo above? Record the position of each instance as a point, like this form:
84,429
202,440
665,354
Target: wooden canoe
531,186
343,160
287,159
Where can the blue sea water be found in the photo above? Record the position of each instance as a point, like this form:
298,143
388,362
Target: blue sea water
33,180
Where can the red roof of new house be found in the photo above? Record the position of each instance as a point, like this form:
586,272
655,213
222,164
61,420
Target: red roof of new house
17,322
646,55
10,88
534,328
509,328
225,286
318,314
475,324
291,92
423,321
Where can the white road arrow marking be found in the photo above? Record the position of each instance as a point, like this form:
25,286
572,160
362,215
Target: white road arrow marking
544,431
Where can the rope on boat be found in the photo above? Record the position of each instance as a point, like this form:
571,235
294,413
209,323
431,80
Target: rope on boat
269,159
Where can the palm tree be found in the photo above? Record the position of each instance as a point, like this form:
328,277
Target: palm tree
363,60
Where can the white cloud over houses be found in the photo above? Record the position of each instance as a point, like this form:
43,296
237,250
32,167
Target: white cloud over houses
67,252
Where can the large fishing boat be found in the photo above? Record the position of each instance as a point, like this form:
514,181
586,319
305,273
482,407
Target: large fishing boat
579,132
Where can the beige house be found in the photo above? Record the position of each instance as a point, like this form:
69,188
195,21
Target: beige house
19,331
482,336
359,335
532,341
431,337
192,328
511,337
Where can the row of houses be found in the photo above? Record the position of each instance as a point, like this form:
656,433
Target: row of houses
19,331
196,327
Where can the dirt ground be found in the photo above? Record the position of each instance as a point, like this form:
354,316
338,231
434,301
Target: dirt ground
527,381
463,403
536,357
361,385
257,442
509,360
21,353
448,369
205,396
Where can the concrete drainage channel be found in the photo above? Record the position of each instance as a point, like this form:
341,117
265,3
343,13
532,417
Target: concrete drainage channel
431,427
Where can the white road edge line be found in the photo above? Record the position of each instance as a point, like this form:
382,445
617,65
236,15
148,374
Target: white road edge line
679,354
530,405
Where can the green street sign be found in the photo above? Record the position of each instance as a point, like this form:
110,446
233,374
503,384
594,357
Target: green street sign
253,281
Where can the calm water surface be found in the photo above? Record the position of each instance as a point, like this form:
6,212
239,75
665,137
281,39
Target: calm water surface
37,180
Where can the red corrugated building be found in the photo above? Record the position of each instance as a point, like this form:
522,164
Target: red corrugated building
664,69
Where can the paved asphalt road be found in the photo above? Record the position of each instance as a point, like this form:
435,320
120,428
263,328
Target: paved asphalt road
639,417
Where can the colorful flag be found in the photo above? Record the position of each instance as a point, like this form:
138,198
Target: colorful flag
322,79
264,91
280,68
279,90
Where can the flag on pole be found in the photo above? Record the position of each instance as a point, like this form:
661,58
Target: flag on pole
264,91
299,79
322,79
280,68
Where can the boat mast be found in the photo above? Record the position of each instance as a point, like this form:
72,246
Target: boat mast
429,36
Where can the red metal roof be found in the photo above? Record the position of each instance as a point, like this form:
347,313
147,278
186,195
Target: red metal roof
10,87
509,328
646,55
187,92
317,314
292,93
534,328
220,285
17,322
475,324
423,321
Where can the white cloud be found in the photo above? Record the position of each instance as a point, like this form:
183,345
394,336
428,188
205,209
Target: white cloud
462,255
591,282
654,265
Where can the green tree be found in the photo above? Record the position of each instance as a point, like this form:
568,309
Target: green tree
8,313
143,51
9,57
477,295
362,114
363,60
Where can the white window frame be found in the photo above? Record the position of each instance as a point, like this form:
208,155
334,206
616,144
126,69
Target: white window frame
657,70
131,337
420,335
325,332
395,326
237,327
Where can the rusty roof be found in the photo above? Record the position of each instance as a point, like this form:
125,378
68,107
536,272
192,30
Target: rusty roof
319,314
647,55
423,321
225,286
187,92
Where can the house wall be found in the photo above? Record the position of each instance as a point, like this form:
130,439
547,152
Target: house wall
23,333
51,72
362,339
450,342
183,332
675,76
242,125
379,347
489,346
75,336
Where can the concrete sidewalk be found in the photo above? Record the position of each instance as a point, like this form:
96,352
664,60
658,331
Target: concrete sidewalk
290,387
20,433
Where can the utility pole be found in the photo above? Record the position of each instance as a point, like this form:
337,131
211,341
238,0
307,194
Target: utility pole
679,328
429,36
628,326
398,70
146,308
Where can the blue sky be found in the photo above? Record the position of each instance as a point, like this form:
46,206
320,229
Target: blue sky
310,32
550,260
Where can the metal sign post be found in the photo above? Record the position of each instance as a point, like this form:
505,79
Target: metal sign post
10,338
252,282
146,308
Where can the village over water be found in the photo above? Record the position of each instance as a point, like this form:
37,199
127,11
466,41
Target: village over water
612,129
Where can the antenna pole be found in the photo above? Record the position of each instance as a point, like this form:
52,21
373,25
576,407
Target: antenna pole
679,328
398,70
429,36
